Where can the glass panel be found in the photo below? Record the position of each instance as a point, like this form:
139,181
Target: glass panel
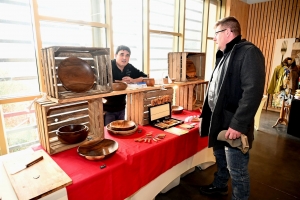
18,71
61,34
193,25
20,125
127,28
90,11
212,19
210,54
160,46
162,9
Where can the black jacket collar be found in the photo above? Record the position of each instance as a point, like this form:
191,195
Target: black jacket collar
229,46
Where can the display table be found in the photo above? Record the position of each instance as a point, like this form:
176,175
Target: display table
293,128
137,170
132,167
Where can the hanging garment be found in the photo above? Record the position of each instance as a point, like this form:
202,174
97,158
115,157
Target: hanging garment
277,80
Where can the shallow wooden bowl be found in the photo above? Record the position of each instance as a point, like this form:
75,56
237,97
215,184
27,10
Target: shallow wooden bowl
119,86
114,132
72,133
149,81
122,125
98,149
177,109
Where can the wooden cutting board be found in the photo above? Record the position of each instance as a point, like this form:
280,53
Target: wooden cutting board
39,179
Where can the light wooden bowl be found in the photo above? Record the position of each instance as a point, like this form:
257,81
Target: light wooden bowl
177,109
122,125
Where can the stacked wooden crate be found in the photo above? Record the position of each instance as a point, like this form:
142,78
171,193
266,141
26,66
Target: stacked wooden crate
97,58
52,115
138,104
178,63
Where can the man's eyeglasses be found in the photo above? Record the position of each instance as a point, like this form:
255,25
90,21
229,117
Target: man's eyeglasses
216,33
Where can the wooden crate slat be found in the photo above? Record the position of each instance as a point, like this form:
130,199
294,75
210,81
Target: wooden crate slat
190,99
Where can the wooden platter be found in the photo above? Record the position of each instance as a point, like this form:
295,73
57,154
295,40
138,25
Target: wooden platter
76,74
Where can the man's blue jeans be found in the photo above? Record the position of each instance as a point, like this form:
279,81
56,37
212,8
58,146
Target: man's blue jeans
112,116
232,162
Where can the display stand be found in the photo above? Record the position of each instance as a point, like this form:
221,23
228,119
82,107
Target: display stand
284,113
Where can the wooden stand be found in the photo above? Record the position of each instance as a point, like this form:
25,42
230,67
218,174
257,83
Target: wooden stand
284,112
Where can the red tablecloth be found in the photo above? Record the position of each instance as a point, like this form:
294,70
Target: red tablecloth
133,165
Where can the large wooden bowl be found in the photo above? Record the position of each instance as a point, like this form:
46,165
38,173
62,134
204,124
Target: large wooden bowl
72,133
98,149
122,125
76,74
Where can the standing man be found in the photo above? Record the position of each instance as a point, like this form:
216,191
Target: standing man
122,70
234,93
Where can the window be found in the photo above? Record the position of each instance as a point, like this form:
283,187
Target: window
193,25
127,25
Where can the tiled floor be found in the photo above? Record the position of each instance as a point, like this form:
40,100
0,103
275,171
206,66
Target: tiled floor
274,167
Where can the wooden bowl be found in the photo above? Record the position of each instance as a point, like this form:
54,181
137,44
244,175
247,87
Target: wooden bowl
177,109
98,148
72,133
149,81
76,74
114,132
122,125
119,86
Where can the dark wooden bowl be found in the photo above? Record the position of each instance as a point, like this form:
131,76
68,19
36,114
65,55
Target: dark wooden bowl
122,125
72,134
76,74
98,148
177,109
149,81
119,86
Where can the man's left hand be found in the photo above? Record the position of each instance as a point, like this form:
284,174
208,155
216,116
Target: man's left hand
232,134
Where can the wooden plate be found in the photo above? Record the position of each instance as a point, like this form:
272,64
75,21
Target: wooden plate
122,125
97,148
76,74
129,132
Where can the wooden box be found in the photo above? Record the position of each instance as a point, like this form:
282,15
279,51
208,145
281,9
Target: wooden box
97,58
50,116
138,103
186,66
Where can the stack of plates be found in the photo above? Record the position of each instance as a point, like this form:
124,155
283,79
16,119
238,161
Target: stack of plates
122,127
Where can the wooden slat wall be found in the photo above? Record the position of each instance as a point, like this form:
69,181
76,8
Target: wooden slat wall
265,23
269,21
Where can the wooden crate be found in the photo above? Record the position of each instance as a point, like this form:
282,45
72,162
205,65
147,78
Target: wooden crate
138,103
50,116
97,58
177,65
191,96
